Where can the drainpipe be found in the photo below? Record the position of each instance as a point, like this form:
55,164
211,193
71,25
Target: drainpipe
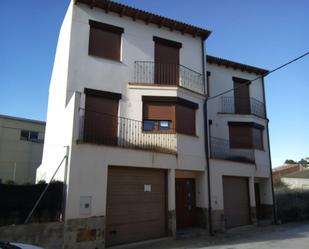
206,138
269,156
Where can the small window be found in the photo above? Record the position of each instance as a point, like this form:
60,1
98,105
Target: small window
29,135
34,135
157,125
24,135
149,125
105,40
164,125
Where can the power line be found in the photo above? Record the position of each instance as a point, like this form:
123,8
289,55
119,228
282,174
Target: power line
259,77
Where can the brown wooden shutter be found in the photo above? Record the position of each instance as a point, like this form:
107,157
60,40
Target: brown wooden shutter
101,120
185,120
240,136
159,111
257,134
166,61
241,96
105,40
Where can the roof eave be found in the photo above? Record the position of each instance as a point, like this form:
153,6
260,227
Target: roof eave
147,17
236,65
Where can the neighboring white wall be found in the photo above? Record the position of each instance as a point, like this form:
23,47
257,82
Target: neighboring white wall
56,132
221,80
89,165
220,168
19,159
137,45
296,183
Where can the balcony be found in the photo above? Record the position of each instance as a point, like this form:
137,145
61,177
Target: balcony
243,106
152,73
220,149
104,129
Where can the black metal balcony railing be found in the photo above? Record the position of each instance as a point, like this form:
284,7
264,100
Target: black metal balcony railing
148,72
243,106
105,129
220,149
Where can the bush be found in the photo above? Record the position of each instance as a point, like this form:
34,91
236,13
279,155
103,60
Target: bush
292,205
18,200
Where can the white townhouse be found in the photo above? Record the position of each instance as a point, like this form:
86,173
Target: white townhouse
240,163
127,104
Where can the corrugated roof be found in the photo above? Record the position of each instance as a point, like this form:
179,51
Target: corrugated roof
235,65
147,17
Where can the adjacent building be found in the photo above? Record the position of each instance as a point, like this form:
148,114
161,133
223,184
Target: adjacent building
285,170
127,107
240,164
21,148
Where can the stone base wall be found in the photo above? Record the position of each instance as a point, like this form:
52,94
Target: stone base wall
171,224
267,211
84,233
218,221
202,217
48,235
253,215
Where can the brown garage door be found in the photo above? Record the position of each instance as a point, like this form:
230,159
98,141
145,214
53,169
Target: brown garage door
236,201
136,205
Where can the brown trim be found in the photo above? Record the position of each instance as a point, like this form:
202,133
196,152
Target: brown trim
167,42
105,26
175,100
104,94
240,80
147,17
251,124
235,65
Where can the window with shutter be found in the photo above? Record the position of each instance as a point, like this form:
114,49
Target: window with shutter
105,40
244,135
169,114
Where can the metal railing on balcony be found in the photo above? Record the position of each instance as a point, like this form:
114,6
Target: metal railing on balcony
242,106
105,129
148,72
220,149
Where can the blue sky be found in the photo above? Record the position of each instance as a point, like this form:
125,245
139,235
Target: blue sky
264,33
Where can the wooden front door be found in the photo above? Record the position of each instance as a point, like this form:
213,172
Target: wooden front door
241,97
166,66
101,121
185,202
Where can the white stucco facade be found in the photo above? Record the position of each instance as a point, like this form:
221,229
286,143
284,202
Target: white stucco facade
74,70
85,171
220,80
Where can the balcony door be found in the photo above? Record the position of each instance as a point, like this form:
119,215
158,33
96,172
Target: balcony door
166,66
101,119
241,96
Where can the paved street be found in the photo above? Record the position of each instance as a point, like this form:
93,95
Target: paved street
288,236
